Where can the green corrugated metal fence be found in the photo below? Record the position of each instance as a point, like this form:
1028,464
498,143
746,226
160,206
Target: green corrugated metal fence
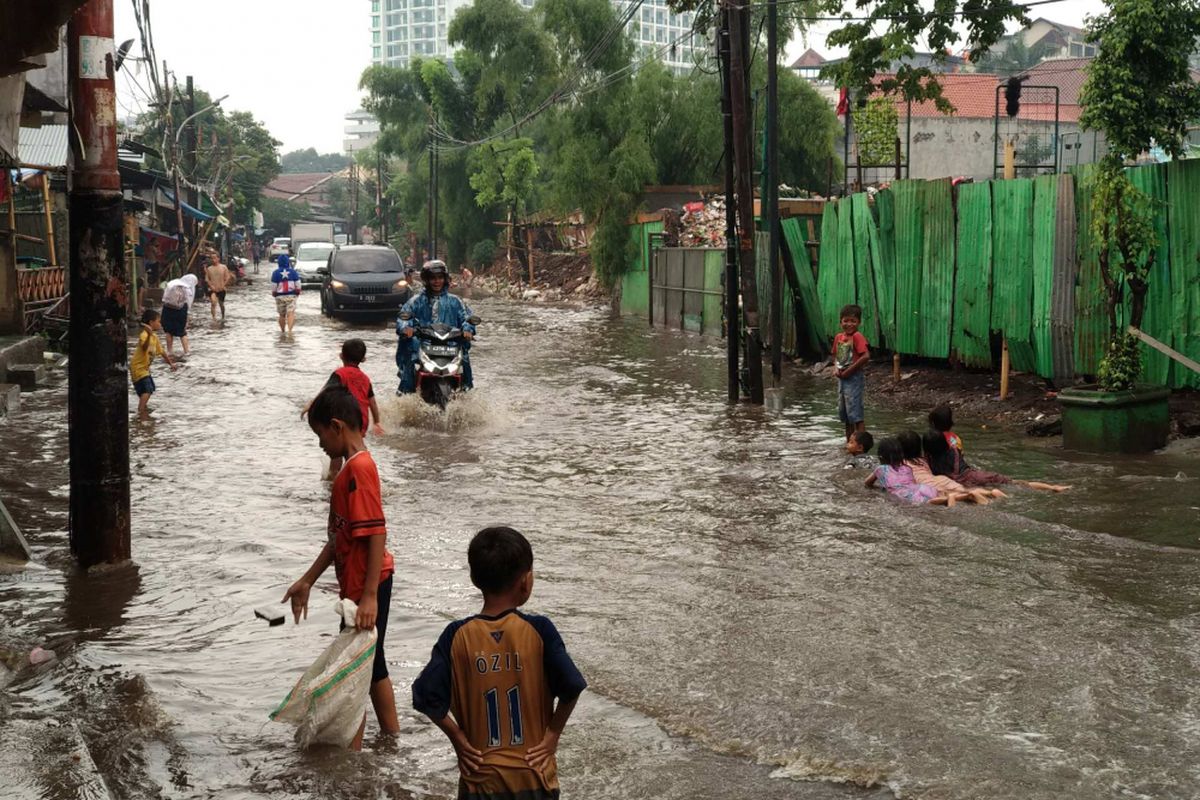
883,261
1183,212
1045,201
910,238
1012,269
866,240
1156,367
973,283
1091,315
812,321
937,277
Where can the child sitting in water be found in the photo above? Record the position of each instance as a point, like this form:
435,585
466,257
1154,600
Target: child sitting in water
859,445
941,419
894,476
946,460
910,443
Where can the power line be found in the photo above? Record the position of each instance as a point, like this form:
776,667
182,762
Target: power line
894,17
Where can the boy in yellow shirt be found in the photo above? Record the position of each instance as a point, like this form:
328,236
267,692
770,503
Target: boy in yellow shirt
147,348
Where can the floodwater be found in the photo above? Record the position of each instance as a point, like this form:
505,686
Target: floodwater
753,623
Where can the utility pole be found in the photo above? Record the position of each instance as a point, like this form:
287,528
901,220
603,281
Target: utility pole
190,145
771,201
353,239
379,195
437,166
732,315
97,394
739,91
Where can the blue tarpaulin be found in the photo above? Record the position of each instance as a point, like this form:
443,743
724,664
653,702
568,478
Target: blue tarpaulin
195,213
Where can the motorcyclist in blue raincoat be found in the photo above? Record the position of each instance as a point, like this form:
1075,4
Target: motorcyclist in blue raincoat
435,304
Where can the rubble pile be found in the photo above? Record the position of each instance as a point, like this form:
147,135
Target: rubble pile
703,223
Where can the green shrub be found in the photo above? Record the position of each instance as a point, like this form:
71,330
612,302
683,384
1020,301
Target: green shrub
1119,369
482,252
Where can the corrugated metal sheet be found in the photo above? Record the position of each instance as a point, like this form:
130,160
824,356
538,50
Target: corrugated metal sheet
973,279
910,245
883,261
810,324
1012,269
1045,199
1156,367
1091,314
1062,296
827,271
864,280
1183,201
43,147
835,283
937,277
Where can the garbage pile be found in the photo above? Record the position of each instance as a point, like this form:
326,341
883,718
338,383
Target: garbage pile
702,223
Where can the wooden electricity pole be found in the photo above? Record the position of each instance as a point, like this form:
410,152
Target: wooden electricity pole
739,92
733,324
770,212
97,395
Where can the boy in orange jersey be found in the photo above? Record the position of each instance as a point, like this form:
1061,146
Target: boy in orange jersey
357,542
493,679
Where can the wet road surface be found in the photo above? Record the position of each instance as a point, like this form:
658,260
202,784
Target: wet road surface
753,623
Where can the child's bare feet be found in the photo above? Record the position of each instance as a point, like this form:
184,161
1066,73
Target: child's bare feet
997,493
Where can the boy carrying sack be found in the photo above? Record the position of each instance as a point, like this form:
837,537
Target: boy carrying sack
357,543
493,678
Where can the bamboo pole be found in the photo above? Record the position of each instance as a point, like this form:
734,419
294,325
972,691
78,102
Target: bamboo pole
1010,172
529,246
50,245
1005,365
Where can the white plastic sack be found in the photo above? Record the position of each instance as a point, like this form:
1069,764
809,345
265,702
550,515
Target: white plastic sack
328,702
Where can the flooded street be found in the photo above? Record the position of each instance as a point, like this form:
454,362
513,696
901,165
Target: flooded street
753,623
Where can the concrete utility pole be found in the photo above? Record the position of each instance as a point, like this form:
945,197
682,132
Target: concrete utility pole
739,91
353,239
97,395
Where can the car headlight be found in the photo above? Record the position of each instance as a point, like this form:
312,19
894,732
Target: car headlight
400,285
337,285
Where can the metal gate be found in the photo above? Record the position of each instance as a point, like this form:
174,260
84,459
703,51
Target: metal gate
686,289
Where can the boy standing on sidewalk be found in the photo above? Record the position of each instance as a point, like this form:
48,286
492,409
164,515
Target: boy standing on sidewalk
147,348
493,678
850,355
357,541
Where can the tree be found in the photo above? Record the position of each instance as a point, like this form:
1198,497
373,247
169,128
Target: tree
1138,92
309,160
278,215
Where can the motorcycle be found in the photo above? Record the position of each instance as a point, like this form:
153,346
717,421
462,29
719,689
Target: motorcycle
439,363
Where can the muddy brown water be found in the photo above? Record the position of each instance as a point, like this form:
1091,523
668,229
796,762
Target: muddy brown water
753,623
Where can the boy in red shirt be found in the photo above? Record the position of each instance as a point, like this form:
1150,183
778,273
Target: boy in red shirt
351,376
357,543
850,355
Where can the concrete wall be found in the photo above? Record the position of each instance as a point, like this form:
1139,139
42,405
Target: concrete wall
953,147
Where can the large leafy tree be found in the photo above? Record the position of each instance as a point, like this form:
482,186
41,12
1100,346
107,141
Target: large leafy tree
309,160
1140,93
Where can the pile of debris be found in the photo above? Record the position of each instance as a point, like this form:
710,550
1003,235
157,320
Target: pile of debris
702,223
558,277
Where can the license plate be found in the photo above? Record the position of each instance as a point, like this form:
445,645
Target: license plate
368,298
441,350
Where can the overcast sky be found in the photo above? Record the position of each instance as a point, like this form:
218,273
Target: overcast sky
295,64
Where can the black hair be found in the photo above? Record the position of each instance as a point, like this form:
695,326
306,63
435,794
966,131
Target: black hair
865,440
498,557
942,418
851,311
354,351
336,402
148,316
910,443
890,452
935,444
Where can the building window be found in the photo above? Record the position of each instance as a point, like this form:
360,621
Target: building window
442,31
375,37
375,6
375,52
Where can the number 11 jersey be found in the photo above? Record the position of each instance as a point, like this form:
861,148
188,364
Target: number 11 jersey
499,677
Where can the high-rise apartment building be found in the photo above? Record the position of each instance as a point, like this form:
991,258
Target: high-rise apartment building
401,29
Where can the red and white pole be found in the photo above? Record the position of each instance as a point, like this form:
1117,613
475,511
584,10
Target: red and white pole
98,402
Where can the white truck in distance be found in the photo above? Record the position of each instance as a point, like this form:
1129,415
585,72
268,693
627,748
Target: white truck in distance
311,232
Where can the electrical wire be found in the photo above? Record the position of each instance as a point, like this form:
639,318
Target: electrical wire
893,17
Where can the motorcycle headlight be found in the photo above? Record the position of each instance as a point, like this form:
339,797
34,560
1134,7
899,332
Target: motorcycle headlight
400,285
337,285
